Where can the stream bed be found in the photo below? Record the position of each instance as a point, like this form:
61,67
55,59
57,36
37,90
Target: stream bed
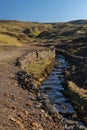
52,87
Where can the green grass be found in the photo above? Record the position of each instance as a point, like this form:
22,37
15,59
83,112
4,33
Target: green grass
79,91
12,32
6,40
37,68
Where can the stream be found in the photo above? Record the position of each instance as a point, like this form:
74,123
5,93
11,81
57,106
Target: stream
53,87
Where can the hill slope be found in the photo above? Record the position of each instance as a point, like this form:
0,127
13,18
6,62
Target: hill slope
16,36
18,33
71,36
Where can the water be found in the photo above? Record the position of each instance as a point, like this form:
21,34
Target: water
53,87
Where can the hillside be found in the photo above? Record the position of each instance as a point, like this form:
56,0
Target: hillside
17,33
71,36
20,107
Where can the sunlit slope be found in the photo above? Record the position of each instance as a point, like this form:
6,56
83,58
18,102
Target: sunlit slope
70,36
19,33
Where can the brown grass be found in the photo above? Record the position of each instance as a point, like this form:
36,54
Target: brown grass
9,41
79,91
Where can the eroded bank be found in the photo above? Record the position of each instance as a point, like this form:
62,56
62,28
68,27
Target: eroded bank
76,83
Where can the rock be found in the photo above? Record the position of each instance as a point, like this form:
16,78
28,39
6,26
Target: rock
12,119
11,96
21,115
42,111
26,112
39,105
35,125
29,103
25,80
20,124
7,94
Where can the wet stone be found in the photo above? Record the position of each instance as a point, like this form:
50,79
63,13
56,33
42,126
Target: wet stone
55,102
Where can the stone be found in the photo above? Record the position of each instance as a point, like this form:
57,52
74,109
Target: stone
26,112
20,124
35,125
7,94
12,119
29,103
21,115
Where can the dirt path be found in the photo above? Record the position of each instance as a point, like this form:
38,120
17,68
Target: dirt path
19,109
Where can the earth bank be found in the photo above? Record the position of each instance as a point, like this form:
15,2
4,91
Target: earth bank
75,84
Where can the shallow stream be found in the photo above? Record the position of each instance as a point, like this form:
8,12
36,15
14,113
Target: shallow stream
53,87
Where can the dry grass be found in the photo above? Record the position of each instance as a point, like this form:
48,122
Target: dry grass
40,70
55,34
79,91
9,41
37,68
12,32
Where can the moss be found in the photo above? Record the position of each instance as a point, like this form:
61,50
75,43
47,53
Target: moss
40,69
37,67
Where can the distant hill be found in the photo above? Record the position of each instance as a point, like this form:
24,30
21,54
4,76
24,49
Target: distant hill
17,32
71,36
76,22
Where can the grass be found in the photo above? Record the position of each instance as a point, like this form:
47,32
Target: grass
14,33
9,41
37,68
79,91
78,97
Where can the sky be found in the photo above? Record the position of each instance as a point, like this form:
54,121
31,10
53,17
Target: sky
43,10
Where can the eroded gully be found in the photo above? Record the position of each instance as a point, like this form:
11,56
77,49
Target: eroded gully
52,88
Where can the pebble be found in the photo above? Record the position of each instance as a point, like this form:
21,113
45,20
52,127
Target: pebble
35,125
7,94
29,103
20,124
12,119
26,112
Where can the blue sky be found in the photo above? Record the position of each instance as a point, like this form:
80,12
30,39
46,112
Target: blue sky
43,10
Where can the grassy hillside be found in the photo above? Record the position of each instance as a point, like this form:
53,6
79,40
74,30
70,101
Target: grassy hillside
70,36
18,33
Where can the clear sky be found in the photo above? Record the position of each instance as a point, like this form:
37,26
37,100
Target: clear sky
43,10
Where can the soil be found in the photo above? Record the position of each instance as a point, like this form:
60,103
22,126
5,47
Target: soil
19,108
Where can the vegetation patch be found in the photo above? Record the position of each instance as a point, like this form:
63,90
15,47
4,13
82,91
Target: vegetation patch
80,91
78,97
40,69
8,40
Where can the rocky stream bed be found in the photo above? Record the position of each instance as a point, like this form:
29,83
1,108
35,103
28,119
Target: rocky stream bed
54,101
